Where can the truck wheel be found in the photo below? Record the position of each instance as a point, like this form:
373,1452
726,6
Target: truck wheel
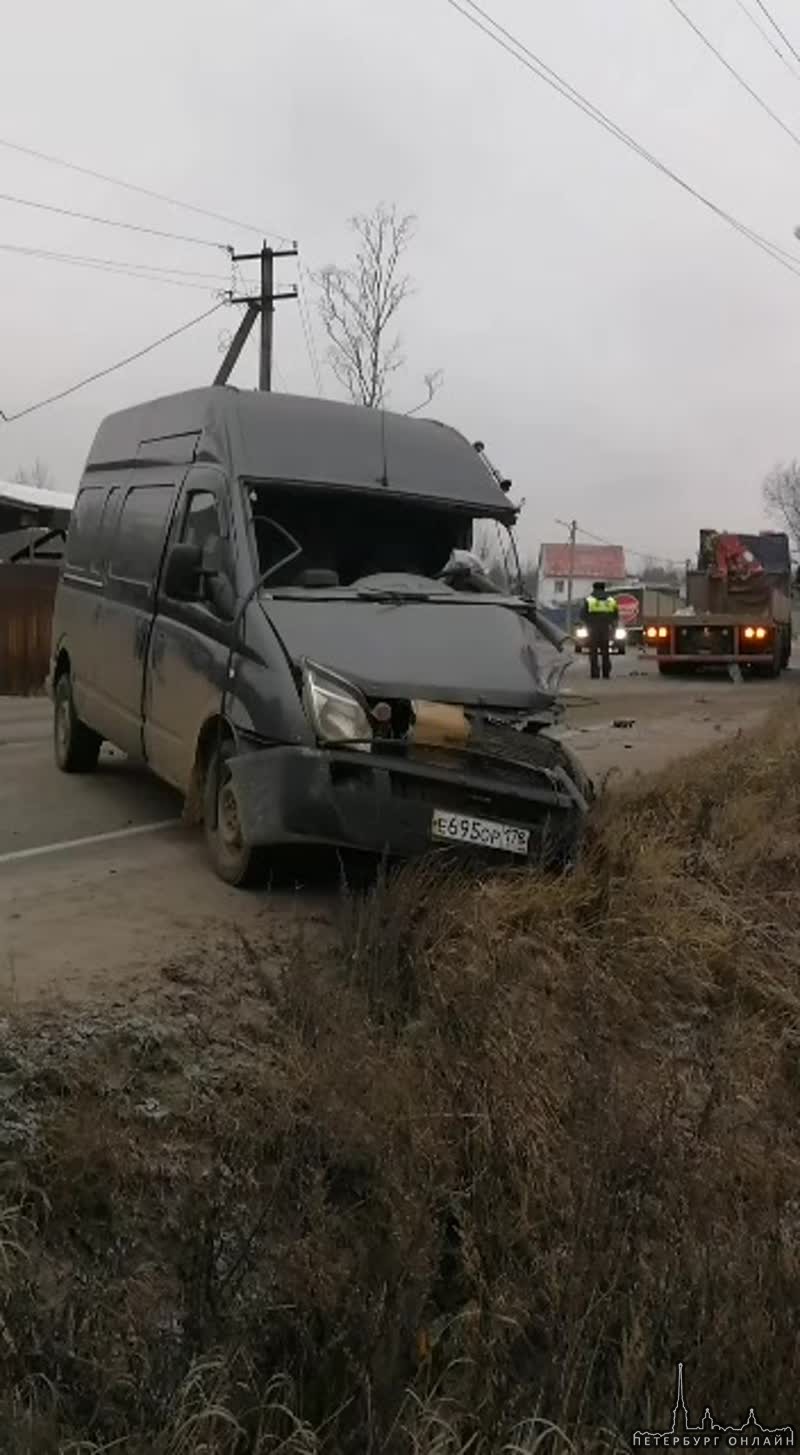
786,648
667,668
233,861
77,747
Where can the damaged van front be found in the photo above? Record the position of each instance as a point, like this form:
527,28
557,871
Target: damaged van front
278,604
430,727
423,715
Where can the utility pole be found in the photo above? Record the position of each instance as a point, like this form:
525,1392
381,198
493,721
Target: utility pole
260,305
573,531
267,316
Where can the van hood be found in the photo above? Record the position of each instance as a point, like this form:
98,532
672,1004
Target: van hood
477,654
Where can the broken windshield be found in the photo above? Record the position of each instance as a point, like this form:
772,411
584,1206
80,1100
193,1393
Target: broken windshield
347,539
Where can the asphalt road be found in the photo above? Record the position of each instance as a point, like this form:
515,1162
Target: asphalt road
40,807
100,882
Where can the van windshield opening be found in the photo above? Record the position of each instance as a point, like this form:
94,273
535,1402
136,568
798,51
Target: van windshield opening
353,537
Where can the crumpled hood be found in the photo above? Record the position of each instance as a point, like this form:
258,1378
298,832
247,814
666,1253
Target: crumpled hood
477,654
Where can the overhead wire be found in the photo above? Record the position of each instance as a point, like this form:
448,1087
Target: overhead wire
143,271
305,318
135,187
112,368
775,26
754,21
703,38
533,63
146,272
632,550
308,332
112,222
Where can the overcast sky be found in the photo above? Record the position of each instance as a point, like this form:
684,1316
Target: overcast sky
628,359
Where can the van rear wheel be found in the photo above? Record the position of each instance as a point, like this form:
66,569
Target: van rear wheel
77,747
233,860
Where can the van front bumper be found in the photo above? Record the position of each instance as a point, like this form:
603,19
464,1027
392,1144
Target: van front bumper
381,804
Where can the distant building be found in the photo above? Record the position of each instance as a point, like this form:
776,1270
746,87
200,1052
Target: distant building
589,564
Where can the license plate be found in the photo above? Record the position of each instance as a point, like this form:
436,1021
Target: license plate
480,833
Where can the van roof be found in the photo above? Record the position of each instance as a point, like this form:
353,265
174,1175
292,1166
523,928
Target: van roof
285,437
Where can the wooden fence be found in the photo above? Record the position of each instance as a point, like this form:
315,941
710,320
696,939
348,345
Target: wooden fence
26,614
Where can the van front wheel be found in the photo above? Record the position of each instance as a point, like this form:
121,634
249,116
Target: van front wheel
232,859
77,747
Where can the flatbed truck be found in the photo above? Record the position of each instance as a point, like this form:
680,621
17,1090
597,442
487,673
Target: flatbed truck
738,611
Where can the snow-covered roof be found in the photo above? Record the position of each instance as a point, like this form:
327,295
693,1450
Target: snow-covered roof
35,497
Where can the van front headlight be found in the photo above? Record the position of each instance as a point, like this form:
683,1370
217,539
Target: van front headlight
336,709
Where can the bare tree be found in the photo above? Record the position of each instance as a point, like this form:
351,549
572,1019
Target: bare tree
359,305
781,491
38,475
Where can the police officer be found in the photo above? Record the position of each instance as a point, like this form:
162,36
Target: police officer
600,615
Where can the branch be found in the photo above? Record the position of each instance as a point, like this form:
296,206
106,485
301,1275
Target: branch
433,383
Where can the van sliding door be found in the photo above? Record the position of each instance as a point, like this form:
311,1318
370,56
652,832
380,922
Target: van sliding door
127,611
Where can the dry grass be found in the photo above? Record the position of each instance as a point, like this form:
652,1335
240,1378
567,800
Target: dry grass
513,1151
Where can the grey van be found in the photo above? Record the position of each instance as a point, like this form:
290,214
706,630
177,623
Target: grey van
270,601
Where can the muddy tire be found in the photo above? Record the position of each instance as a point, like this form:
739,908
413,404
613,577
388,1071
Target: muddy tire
76,746
233,861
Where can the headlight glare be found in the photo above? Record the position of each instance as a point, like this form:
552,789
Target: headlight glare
336,710
621,634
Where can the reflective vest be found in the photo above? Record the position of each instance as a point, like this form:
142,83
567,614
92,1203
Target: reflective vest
598,606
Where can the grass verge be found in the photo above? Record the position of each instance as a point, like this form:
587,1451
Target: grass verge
474,1178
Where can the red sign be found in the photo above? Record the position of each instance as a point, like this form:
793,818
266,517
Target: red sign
628,608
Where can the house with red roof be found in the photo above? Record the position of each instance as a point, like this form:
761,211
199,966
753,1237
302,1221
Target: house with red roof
586,564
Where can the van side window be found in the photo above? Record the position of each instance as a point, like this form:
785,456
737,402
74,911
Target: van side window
201,525
102,539
139,541
83,526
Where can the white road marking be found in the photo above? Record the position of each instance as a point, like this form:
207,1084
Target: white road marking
129,833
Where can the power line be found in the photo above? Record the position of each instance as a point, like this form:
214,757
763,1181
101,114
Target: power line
768,38
308,332
632,550
527,58
134,187
148,273
112,368
775,26
733,72
111,222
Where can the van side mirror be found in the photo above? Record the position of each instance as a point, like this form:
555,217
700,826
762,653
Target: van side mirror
183,574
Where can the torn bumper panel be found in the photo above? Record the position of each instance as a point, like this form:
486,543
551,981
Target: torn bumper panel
379,803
